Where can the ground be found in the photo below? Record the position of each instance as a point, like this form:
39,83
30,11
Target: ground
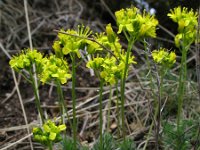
46,16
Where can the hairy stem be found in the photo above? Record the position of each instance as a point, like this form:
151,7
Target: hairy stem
100,114
118,111
109,105
50,147
63,108
181,89
59,91
130,44
36,93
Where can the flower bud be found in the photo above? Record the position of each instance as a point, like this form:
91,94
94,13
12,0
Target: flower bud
110,33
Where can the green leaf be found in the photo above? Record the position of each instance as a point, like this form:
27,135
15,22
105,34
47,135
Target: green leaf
127,144
108,143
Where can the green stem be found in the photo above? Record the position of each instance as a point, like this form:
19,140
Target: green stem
126,35
63,108
37,100
130,44
109,105
100,114
74,98
181,89
25,77
118,116
50,146
60,102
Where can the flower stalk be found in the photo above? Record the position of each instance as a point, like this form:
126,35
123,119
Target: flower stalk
74,98
181,89
100,113
109,105
187,24
123,82
37,100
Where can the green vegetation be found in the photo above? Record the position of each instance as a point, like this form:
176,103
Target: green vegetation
111,64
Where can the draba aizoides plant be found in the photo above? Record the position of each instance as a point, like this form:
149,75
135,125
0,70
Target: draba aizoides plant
110,67
48,69
57,70
111,63
25,60
69,43
48,134
187,33
136,26
164,60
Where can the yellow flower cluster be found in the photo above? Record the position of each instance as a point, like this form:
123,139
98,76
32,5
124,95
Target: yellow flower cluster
187,23
110,69
48,133
67,43
26,59
136,24
51,68
163,57
72,41
55,69
108,40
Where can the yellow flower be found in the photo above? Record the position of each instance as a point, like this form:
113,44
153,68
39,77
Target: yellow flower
57,48
110,33
138,25
49,132
95,63
163,57
187,23
172,58
55,69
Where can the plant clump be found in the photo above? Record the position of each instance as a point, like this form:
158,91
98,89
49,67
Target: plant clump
111,64
49,133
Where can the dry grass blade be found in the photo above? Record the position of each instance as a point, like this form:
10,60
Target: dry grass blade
17,142
20,98
31,47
